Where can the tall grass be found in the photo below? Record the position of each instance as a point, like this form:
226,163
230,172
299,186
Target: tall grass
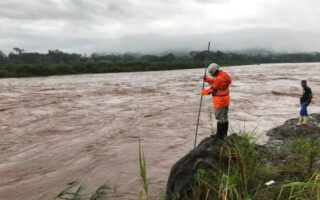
245,150
303,190
143,174
242,174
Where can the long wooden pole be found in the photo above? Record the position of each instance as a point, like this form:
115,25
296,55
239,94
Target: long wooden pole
205,73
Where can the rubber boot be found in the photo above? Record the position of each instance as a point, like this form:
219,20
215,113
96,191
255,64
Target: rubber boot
225,129
220,132
305,120
300,121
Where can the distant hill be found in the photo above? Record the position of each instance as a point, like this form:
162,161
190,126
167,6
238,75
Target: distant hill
20,63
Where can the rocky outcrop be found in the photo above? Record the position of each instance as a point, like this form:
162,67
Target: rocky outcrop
284,135
202,157
207,154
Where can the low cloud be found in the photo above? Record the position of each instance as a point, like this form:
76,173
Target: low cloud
155,26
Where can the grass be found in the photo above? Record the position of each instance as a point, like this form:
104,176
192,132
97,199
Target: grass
242,174
309,149
143,174
303,190
73,193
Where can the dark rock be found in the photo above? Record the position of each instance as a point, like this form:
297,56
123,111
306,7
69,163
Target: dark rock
288,132
205,156
183,172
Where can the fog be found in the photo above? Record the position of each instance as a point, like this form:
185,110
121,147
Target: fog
142,26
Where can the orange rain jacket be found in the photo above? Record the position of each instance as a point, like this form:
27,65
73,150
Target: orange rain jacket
219,89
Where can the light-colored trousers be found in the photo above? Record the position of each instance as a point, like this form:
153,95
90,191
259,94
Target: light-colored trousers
221,114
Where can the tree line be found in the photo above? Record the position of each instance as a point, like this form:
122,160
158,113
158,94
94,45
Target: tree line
19,63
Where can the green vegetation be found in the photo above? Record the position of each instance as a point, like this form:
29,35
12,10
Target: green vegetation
70,193
308,149
302,190
23,64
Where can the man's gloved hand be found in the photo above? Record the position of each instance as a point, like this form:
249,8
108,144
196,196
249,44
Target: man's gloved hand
204,92
204,78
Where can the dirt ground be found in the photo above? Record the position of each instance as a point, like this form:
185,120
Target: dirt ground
58,129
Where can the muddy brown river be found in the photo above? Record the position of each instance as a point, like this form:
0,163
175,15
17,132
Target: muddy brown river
54,130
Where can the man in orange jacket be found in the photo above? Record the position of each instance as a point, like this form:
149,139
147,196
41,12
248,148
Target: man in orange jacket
220,97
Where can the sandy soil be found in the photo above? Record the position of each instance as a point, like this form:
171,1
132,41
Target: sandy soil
58,129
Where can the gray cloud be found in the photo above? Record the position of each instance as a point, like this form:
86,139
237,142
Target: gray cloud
154,26
211,1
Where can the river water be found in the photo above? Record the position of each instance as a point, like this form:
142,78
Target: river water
54,130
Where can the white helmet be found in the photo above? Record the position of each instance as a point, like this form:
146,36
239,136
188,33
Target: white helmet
213,67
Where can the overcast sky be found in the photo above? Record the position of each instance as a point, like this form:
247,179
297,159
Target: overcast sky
150,26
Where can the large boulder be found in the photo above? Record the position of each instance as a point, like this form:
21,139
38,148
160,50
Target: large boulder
206,155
